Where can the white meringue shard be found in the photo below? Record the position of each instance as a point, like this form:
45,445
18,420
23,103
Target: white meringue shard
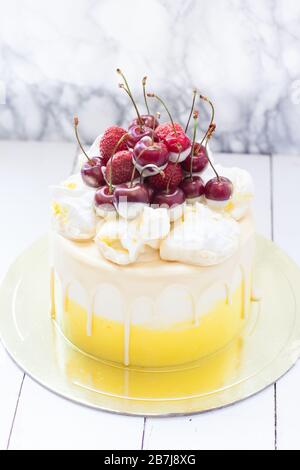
205,238
73,214
119,241
154,226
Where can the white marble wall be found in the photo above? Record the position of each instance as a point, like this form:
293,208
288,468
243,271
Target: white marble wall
59,57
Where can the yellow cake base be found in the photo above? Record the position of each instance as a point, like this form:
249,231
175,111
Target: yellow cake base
156,347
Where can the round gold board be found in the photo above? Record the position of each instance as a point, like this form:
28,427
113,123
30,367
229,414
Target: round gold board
267,347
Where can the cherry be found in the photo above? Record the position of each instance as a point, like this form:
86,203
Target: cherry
218,189
129,200
147,120
135,193
173,200
91,170
193,187
137,132
178,143
147,152
200,159
151,192
104,201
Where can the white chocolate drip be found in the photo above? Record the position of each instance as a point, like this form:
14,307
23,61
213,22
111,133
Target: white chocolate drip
90,307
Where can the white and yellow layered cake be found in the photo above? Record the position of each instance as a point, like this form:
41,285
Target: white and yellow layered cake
149,292
152,245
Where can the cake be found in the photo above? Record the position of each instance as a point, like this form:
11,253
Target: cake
152,245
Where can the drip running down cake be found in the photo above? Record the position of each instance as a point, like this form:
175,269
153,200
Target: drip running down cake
152,243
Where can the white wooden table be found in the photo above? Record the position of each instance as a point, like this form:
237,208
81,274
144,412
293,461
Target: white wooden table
33,418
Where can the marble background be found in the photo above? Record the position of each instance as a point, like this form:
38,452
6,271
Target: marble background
59,57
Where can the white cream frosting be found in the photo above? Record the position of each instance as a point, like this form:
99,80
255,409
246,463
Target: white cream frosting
204,238
73,214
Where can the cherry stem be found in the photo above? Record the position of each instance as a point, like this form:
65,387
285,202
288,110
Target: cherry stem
192,110
212,116
196,115
173,172
111,161
145,94
127,89
152,166
152,95
76,122
153,128
210,131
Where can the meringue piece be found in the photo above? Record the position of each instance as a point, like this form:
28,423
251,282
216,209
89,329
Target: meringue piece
154,226
76,183
130,210
243,191
176,212
73,214
106,211
205,238
119,241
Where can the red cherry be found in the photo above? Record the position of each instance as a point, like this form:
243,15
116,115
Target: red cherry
219,189
104,201
177,142
136,133
179,146
170,198
129,200
193,187
135,193
200,160
147,152
147,120
91,172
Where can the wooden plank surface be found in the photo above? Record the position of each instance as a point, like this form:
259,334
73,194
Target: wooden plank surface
286,177
26,169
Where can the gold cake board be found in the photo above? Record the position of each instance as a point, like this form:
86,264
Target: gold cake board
264,351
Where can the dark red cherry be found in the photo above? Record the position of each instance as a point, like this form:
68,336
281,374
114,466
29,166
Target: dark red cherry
200,160
151,192
193,187
91,172
104,200
136,133
177,142
169,198
147,120
135,193
146,152
219,189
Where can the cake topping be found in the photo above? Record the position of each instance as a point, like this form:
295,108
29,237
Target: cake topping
173,169
204,238
73,214
91,170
